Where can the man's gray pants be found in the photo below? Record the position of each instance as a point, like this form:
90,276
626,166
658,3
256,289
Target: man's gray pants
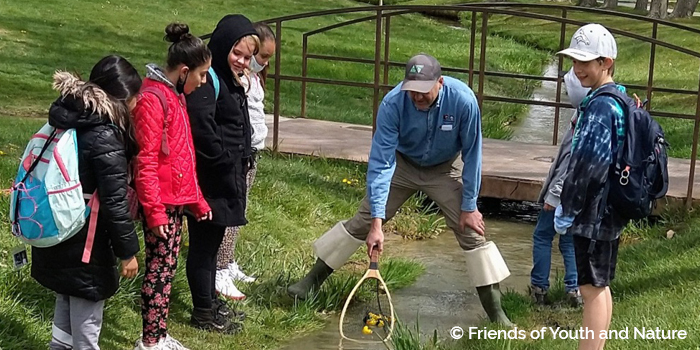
76,323
441,183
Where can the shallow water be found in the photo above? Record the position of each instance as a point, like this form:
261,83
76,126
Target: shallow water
538,125
442,298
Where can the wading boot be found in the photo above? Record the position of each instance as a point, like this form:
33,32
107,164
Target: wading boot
311,282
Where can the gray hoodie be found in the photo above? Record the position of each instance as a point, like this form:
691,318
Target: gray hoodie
551,190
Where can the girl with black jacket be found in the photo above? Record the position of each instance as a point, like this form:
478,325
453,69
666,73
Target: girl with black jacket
99,111
221,132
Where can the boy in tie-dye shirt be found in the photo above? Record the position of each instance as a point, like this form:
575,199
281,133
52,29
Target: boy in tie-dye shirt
600,131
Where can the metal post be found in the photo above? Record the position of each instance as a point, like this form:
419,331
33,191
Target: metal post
278,55
377,66
472,44
652,59
560,65
694,153
387,26
482,58
304,62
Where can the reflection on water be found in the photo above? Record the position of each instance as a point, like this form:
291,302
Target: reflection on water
442,298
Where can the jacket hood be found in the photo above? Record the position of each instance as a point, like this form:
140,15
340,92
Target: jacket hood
80,104
228,31
154,72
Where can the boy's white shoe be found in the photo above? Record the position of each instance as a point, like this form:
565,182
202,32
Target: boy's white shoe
239,275
171,343
140,346
225,286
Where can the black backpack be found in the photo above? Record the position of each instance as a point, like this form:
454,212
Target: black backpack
639,174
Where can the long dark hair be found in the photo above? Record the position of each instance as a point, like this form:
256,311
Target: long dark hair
186,48
120,80
265,33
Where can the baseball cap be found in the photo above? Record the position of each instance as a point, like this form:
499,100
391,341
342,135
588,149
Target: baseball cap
590,42
422,72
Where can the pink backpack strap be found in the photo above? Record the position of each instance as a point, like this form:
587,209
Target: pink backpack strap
164,103
94,204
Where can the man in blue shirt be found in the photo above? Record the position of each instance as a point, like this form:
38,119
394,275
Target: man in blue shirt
423,125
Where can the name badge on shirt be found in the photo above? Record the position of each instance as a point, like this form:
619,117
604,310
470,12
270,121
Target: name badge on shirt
447,122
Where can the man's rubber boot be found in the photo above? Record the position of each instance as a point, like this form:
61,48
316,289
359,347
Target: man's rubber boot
490,297
311,282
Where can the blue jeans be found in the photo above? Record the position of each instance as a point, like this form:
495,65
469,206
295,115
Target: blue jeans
542,253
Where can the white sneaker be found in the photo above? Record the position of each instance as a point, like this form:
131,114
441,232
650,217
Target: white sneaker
140,346
171,343
225,286
239,275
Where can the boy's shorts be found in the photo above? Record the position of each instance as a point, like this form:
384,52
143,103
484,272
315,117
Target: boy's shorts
598,268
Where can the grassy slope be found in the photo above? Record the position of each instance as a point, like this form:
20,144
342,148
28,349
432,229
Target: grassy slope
37,37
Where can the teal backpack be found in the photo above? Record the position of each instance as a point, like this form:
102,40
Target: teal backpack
215,80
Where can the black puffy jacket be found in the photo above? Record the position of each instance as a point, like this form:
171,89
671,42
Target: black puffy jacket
102,158
221,129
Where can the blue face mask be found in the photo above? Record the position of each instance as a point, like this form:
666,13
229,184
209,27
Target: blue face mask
255,67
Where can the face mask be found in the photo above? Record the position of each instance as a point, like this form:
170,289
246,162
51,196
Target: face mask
255,67
180,86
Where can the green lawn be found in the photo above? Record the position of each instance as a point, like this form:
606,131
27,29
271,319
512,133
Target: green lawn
37,38
294,201
297,198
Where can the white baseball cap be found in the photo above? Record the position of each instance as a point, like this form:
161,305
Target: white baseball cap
590,42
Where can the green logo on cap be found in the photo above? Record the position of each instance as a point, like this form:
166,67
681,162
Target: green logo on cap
416,68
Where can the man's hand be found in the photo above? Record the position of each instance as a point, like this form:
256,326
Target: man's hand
548,207
375,237
130,267
474,220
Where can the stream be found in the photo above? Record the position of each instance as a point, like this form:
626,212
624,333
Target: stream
442,298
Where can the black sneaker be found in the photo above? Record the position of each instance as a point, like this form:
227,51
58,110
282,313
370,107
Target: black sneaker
539,295
209,320
222,308
574,298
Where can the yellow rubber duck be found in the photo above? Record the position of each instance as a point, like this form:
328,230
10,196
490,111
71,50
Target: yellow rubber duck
366,330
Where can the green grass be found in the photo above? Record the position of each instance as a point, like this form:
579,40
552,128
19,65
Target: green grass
294,200
417,219
14,137
37,38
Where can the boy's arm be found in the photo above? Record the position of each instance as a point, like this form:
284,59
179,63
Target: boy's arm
591,156
557,182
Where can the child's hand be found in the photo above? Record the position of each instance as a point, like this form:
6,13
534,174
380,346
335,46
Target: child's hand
130,267
162,231
206,216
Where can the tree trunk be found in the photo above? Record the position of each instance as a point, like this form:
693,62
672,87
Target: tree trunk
684,9
610,4
588,3
641,5
659,9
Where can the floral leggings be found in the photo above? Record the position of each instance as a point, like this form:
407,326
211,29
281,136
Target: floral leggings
161,264
228,246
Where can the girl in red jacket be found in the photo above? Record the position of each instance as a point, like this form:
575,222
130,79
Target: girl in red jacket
166,181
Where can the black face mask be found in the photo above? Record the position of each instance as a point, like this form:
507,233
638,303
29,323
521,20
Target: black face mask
180,86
